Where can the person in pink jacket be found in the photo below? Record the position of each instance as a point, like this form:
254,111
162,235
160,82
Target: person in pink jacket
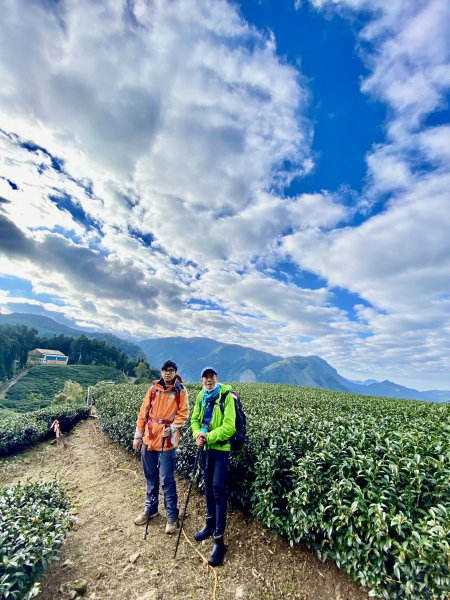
58,434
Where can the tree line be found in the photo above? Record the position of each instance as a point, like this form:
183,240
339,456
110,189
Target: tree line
17,340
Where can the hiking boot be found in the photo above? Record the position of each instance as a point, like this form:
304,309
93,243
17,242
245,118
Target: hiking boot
218,552
207,530
144,517
171,527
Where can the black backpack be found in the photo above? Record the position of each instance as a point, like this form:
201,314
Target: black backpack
238,439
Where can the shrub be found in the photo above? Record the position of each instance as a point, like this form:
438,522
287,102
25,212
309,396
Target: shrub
364,480
72,392
34,519
22,430
37,388
117,407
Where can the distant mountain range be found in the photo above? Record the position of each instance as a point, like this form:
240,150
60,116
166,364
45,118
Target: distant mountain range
238,363
233,362
47,327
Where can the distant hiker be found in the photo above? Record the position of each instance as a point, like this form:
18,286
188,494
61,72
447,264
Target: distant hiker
163,411
57,429
212,429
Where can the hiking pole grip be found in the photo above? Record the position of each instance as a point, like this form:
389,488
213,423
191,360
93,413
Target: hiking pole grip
197,456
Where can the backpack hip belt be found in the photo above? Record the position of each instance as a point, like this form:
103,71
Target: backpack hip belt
152,420
161,421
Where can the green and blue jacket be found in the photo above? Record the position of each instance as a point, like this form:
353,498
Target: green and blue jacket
222,425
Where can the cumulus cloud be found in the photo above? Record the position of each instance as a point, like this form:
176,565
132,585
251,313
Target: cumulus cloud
144,150
183,105
398,259
84,269
169,119
410,49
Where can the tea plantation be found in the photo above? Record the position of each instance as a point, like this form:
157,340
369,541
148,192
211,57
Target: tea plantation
22,430
363,480
34,519
40,384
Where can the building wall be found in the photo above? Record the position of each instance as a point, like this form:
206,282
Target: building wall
53,360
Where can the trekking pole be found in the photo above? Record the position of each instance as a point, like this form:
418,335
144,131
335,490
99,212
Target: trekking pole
162,447
197,456
159,462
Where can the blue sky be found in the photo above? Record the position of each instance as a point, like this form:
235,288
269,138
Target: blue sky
269,173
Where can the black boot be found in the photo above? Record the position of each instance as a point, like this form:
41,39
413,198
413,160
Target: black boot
218,552
207,530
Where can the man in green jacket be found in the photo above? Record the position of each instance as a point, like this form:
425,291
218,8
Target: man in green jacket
212,429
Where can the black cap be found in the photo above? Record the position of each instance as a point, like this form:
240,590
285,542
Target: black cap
169,364
208,370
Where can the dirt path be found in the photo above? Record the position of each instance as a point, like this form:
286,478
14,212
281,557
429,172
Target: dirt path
106,486
4,390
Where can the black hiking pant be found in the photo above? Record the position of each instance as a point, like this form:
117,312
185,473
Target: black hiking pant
215,466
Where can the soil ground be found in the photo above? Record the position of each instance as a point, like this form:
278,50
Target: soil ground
107,550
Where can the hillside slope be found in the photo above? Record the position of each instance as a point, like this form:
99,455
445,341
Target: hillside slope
107,486
307,371
36,388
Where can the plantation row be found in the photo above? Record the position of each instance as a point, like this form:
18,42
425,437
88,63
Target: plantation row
34,520
40,384
22,430
364,480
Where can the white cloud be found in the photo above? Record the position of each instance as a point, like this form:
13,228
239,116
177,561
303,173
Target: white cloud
182,104
177,117
399,259
435,144
175,121
411,73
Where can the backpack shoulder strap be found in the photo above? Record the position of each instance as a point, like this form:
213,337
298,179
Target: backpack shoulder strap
178,389
152,399
223,395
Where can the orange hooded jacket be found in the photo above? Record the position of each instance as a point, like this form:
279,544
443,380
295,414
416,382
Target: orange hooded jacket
164,407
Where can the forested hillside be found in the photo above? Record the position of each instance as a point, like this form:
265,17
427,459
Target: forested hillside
15,343
17,340
47,327
241,363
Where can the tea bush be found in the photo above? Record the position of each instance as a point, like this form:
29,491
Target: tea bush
364,480
34,519
38,387
22,430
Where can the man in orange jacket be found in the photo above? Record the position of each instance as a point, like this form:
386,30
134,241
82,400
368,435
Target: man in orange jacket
164,410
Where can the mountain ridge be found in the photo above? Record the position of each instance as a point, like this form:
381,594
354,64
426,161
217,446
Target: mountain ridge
234,362
240,363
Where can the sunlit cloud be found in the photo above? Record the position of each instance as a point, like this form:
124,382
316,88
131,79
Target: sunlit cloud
147,151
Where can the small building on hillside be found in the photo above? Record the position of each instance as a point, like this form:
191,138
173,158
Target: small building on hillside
43,356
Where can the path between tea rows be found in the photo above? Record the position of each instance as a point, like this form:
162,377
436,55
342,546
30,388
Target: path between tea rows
107,487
